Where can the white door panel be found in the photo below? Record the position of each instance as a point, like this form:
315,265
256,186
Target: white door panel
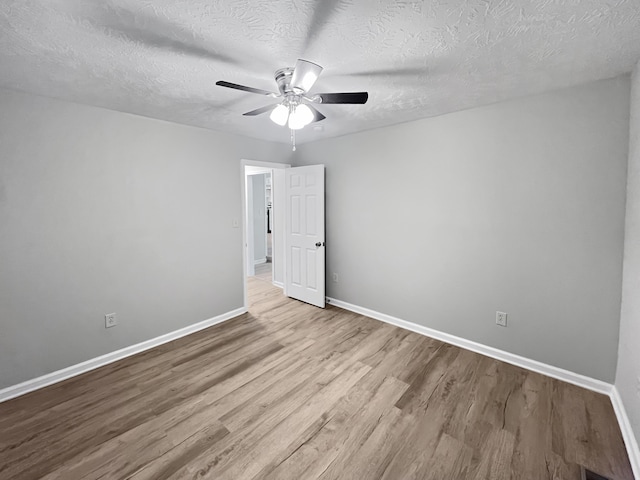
304,236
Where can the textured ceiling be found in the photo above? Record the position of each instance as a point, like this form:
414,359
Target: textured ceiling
415,58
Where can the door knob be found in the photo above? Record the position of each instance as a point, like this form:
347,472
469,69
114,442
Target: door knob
319,244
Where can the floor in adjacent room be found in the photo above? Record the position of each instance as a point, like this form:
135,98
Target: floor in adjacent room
264,271
290,391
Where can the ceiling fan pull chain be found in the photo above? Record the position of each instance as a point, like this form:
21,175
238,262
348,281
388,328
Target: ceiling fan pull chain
293,139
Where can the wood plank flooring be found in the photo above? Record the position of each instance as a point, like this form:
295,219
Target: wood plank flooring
289,391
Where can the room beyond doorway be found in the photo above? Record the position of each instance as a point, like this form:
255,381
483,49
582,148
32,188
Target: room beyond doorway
259,215
263,230
264,271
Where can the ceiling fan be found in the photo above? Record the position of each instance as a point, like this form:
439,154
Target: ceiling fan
295,109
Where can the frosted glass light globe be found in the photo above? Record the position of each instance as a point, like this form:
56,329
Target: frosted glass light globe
279,115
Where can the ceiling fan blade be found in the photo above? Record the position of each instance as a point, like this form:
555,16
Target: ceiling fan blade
317,116
351,97
259,91
261,110
304,76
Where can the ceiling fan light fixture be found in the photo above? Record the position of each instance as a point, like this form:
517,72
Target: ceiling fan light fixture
280,115
300,117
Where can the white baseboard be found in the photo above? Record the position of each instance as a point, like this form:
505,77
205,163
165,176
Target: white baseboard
59,375
278,284
260,261
543,368
627,433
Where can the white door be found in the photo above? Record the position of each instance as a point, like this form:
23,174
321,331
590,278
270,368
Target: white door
304,235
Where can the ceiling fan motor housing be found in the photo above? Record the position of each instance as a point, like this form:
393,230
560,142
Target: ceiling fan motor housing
283,79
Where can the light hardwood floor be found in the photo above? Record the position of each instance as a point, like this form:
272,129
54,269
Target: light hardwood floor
289,391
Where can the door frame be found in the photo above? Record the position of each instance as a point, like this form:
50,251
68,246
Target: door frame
243,192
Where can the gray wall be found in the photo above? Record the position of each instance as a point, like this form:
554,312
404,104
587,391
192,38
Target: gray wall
259,217
107,212
517,206
628,373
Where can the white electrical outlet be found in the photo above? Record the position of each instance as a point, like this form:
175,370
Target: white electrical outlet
501,319
110,320
334,277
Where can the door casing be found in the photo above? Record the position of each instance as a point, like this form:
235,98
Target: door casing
243,188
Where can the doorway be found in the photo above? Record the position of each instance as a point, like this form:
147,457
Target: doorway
263,228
